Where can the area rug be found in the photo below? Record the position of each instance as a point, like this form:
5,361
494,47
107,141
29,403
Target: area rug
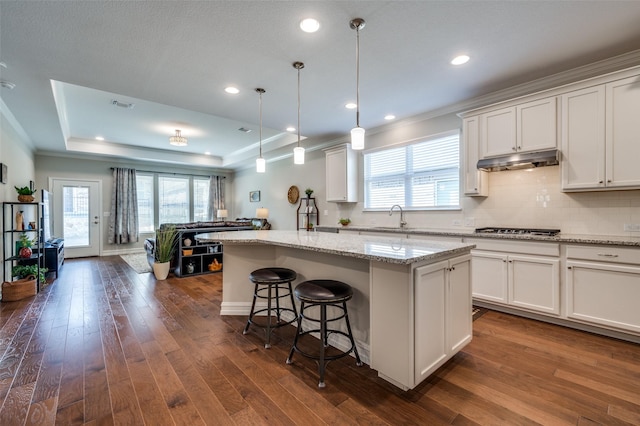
138,261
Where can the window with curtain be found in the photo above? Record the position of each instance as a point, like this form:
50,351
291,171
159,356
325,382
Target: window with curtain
171,199
424,175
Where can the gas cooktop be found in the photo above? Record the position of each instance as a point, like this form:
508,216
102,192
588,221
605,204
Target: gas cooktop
518,231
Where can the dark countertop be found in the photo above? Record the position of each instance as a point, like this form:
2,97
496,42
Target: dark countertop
615,240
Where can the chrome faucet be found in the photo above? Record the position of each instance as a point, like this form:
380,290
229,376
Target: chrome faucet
402,221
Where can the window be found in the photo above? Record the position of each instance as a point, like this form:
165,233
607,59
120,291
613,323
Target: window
423,175
200,199
171,199
144,185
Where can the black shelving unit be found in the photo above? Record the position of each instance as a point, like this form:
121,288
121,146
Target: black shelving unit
202,255
307,214
10,236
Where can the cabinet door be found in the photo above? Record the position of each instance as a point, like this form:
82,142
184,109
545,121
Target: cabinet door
341,175
489,276
475,181
459,321
498,132
534,283
536,125
583,139
430,297
604,294
622,134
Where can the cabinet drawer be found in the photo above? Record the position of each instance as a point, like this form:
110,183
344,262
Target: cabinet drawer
604,254
511,246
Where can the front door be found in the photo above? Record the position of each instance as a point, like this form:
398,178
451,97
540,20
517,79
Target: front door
76,216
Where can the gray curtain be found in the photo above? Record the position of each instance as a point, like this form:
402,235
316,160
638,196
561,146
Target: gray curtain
216,195
123,222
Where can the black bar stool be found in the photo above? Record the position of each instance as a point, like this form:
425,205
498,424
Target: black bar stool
266,280
324,293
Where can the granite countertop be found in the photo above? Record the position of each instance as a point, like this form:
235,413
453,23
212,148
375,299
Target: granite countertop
388,249
560,238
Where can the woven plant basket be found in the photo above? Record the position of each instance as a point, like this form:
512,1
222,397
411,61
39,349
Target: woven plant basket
20,289
26,198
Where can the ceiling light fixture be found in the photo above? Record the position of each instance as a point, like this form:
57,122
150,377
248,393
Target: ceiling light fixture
178,139
459,60
260,162
389,117
309,25
231,90
357,133
298,151
351,105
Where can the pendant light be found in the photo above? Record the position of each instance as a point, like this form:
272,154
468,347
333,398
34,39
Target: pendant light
298,151
260,162
357,133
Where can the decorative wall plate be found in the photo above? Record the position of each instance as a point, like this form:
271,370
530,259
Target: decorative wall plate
293,194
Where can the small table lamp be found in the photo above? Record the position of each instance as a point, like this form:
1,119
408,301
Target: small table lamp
262,213
222,214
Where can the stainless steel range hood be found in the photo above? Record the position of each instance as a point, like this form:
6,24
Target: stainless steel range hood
527,160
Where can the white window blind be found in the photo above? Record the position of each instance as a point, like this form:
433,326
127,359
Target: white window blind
173,199
144,185
201,200
424,175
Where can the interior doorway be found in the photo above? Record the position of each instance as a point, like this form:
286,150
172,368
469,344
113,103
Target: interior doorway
76,215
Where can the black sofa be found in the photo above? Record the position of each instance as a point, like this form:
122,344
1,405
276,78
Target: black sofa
240,224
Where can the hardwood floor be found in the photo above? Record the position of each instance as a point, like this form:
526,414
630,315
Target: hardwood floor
105,345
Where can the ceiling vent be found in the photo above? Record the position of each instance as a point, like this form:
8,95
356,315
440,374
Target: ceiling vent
244,130
117,103
7,84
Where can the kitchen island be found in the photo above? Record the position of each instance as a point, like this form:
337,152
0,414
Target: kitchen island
411,309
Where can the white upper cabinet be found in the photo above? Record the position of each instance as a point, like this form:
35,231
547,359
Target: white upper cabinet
622,138
341,172
601,137
498,134
583,150
475,181
528,127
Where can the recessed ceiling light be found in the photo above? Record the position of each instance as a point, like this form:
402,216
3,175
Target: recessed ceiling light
232,90
207,153
99,138
389,117
291,129
309,25
350,105
459,60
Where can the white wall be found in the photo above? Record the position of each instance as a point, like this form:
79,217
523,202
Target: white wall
17,154
520,198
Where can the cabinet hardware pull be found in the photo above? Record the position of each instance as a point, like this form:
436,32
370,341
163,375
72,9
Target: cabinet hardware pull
600,181
607,255
569,267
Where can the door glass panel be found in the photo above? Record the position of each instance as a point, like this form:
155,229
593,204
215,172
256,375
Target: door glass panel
76,216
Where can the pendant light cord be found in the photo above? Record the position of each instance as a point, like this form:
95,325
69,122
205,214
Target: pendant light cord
260,124
298,106
357,76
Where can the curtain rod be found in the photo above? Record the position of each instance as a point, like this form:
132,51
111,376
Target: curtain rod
175,174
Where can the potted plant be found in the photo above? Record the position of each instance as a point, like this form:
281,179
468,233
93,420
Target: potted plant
308,191
25,271
24,284
344,222
25,194
166,240
25,244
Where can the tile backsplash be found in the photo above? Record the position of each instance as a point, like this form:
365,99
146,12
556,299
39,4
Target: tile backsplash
527,199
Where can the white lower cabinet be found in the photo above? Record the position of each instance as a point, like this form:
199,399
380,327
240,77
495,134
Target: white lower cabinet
606,292
528,281
442,320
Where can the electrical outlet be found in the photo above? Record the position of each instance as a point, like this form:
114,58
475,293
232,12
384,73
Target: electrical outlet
326,212
470,222
456,222
632,227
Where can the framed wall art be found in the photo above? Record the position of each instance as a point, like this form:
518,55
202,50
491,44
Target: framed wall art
254,196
